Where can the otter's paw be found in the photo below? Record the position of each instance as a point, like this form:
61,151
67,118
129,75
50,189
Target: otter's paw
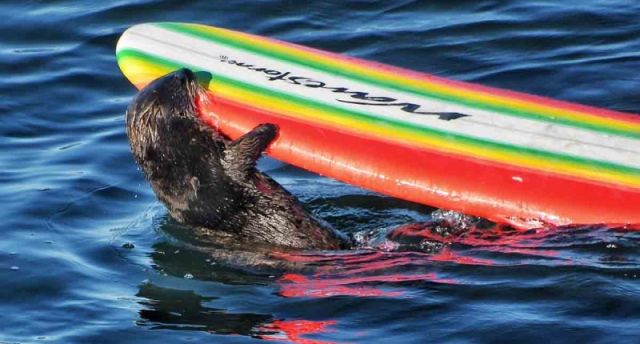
267,131
241,154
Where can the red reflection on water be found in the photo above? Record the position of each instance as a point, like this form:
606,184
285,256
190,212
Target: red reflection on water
377,263
523,251
447,255
501,239
294,285
302,286
292,330
501,236
377,273
424,230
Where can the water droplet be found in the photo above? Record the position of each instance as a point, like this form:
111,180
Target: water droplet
135,196
128,245
612,246
176,252
188,276
15,268
13,253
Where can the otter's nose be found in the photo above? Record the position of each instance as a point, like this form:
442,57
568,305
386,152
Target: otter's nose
186,75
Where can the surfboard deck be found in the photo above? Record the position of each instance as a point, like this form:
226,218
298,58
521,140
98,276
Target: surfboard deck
506,156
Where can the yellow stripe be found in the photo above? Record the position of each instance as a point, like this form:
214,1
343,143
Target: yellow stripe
142,72
322,117
430,85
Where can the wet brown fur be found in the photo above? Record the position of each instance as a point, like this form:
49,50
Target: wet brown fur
210,182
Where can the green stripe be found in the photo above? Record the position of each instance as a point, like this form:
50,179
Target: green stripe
377,81
587,164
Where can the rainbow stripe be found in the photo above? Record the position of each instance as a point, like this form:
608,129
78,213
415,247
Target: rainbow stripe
426,86
614,135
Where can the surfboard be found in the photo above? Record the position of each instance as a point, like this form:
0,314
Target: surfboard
509,157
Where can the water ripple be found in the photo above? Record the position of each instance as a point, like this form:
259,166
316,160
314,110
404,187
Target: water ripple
89,255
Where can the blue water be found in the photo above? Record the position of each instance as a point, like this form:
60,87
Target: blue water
88,255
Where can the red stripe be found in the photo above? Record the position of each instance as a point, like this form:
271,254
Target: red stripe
464,184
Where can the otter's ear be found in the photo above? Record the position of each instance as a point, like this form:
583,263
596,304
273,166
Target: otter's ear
241,155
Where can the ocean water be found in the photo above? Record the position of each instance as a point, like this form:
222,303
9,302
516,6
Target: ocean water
88,255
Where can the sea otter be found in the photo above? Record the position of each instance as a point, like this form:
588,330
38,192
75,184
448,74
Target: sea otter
211,183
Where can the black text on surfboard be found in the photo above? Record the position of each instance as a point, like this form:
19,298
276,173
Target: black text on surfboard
359,98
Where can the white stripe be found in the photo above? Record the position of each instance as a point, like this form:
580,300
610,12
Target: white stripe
485,125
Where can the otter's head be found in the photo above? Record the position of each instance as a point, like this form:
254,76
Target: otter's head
153,111
168,96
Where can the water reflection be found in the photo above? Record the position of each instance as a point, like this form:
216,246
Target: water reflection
184,310
186,252
449,251
365,272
